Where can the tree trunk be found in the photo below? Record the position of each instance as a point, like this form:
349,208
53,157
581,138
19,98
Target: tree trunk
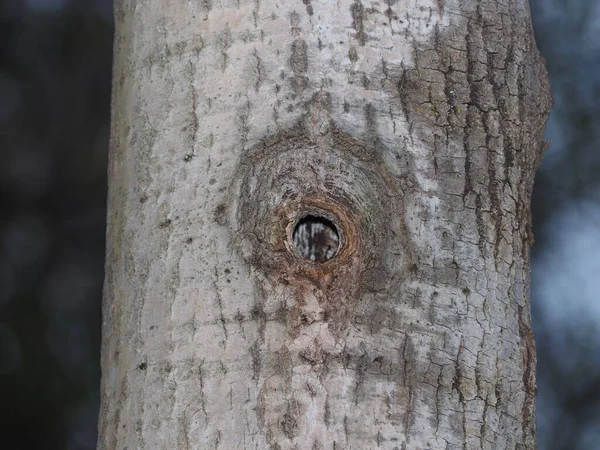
319,228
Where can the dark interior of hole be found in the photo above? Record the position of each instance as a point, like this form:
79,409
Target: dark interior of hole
316,238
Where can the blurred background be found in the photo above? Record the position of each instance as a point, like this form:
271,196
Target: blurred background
55,68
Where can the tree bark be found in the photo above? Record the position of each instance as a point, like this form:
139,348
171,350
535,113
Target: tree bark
413,130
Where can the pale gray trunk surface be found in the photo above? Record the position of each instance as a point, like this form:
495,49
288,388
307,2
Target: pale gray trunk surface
412,127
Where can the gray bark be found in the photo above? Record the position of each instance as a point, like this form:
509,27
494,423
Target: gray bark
414,128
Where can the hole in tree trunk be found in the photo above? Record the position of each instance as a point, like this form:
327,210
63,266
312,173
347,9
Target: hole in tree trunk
316,238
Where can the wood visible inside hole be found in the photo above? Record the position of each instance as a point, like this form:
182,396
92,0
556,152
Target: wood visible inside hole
316,238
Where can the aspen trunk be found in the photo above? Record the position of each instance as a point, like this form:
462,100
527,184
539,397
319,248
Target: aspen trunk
319,228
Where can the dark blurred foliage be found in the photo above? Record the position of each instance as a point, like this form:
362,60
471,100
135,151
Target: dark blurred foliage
55,58
566,214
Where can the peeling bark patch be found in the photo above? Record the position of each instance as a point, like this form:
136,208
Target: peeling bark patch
357,10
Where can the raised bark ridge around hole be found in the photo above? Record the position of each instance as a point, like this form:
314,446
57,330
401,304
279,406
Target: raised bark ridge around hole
336,180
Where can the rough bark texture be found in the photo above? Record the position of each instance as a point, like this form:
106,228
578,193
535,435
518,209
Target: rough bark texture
415,127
